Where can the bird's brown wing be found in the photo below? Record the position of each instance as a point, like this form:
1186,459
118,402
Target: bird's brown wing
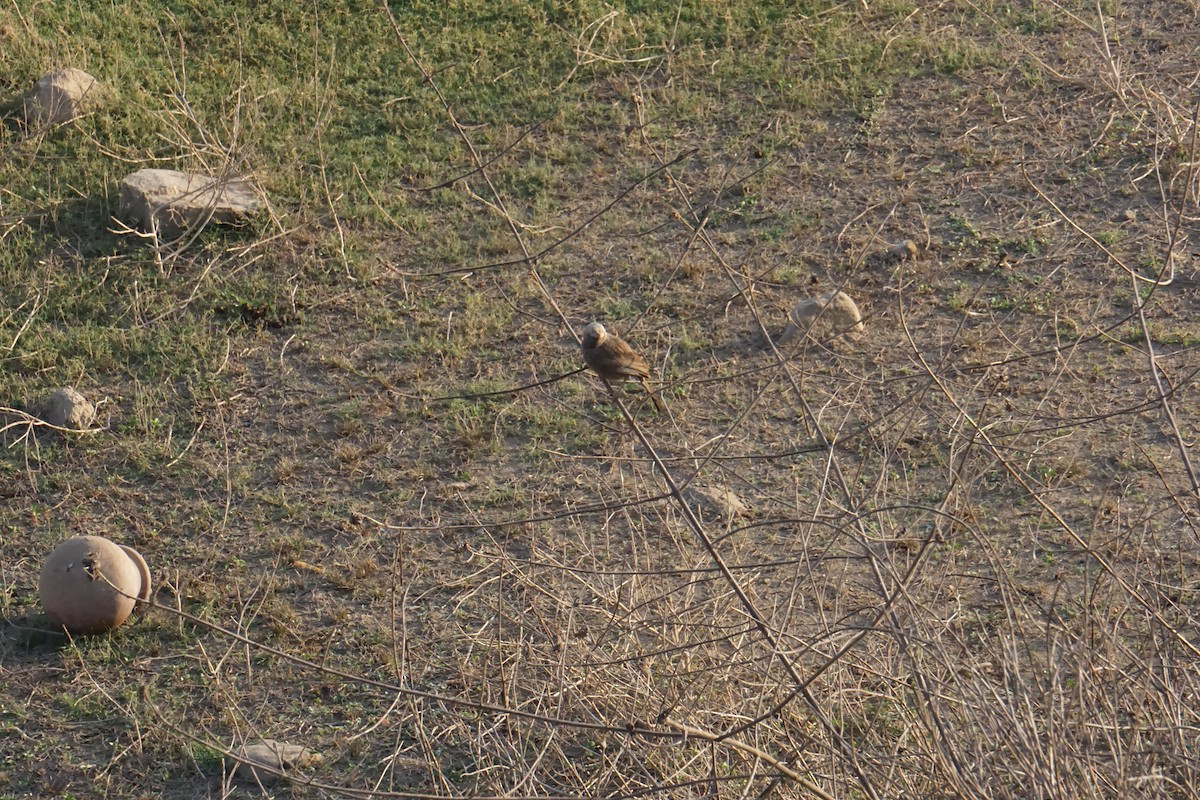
615,360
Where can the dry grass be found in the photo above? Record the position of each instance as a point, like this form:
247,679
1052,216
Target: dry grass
384,529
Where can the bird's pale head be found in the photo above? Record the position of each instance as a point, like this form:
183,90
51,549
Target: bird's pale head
593,335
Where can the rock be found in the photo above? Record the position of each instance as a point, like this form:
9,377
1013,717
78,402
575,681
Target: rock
90,585
172,201
61,96
67,408
278,756
833,313
905,251
714,503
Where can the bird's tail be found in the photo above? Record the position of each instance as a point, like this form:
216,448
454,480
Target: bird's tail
653,397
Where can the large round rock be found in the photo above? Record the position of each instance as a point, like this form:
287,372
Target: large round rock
90,584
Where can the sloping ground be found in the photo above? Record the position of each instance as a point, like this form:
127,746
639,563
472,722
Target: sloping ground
966,563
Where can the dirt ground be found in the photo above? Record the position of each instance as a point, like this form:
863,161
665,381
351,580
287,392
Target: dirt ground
953,555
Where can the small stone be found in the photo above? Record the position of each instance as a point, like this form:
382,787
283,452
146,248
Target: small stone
67,408
834,313
274,755
905,251
714,503
61,96
1130,215
171,202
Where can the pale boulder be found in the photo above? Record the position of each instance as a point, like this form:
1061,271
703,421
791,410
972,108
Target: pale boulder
67,408
171,202
61,96
90,584
831,314
277,757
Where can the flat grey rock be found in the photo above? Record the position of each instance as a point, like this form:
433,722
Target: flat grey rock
173,202
280,757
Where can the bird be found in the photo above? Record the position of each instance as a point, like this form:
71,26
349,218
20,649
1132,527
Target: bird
612,359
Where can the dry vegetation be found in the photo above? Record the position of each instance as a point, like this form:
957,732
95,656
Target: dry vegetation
381,525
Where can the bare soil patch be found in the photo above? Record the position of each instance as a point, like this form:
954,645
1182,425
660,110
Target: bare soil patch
387,523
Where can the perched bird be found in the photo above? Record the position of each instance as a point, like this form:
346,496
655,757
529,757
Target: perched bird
613,360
